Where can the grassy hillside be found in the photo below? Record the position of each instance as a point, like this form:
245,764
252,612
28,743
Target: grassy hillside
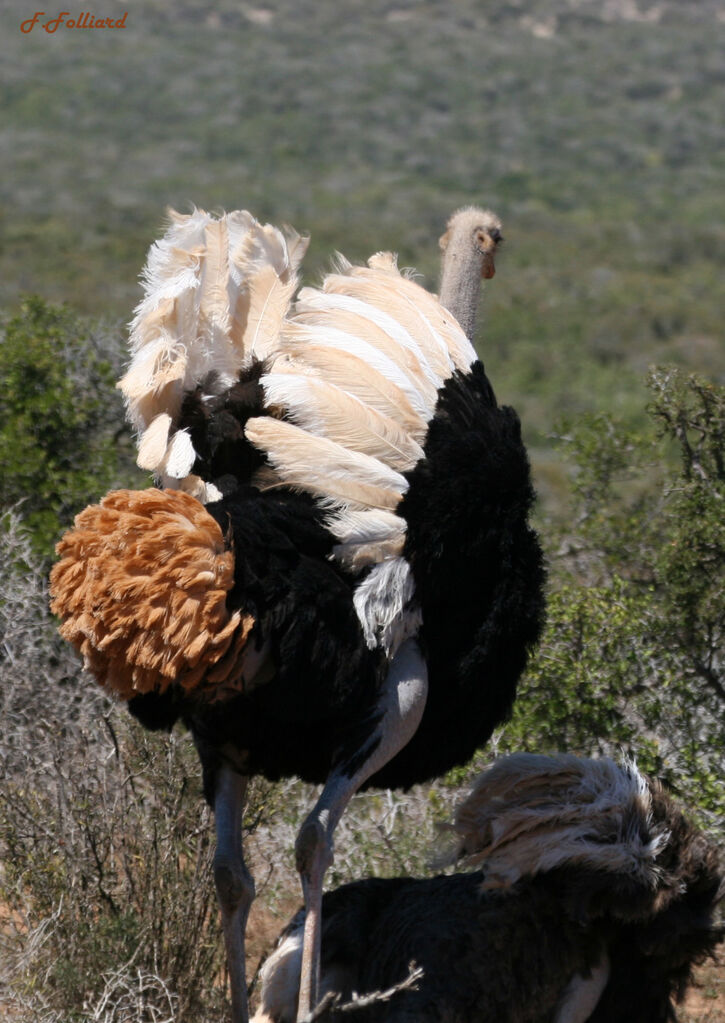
595,129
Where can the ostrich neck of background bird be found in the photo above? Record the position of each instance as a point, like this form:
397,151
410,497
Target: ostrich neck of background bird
468,250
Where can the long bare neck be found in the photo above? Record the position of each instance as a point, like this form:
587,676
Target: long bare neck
468,249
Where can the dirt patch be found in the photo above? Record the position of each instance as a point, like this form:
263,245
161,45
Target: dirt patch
705,1002
264,925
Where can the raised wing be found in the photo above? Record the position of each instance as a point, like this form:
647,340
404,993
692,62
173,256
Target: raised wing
216,294
350,376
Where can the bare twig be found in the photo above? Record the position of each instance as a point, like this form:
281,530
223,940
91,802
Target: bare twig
332,1002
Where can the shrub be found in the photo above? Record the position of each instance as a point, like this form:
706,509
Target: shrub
632,656
61,438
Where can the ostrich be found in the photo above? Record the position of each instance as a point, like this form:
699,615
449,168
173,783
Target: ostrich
338,580
594,898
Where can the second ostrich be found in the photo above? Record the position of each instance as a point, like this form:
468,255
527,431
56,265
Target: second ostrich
339,580
594,898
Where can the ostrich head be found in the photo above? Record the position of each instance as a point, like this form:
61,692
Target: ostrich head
469,246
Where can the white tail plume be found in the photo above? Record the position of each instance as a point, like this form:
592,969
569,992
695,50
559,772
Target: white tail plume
217,292
528,814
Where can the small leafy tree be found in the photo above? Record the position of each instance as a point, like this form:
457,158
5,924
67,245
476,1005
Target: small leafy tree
60,418
633,653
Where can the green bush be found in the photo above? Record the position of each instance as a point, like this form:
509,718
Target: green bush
632,655
62,442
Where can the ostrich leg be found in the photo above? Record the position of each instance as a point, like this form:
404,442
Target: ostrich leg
234,883
397,716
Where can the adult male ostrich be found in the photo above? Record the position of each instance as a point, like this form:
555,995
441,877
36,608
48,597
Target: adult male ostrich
340,563
594,899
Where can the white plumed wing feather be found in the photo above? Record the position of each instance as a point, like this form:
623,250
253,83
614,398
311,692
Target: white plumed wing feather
217,293
424,307
269,300
350,316
351,374
325,410
171,278
214,305
152,445
155,377
327,335
264,264
325,468
387,292
366,537
180,456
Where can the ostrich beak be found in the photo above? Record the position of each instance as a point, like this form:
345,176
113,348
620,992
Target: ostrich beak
487,242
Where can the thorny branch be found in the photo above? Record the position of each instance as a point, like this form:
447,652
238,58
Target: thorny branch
332,1002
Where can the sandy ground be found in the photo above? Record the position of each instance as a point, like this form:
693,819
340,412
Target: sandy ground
705,1002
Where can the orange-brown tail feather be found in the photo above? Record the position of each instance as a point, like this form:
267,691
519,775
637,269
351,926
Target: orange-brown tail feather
141,587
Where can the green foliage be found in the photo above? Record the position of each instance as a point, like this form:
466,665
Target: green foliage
632,655
59,417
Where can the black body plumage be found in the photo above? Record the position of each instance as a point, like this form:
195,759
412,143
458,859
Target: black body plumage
478,574
216,427
478,571
509,955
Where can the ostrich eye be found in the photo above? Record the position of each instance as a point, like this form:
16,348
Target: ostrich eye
484,236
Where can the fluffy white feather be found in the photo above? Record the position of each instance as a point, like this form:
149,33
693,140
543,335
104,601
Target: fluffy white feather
217,293
362,320
325,468
196,487
383,604
366,537
180,456
351,374
434,318
214,297
328,336
152,446
269,300
385,293
325,410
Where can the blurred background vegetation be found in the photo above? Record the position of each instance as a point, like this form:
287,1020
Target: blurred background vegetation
595,129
